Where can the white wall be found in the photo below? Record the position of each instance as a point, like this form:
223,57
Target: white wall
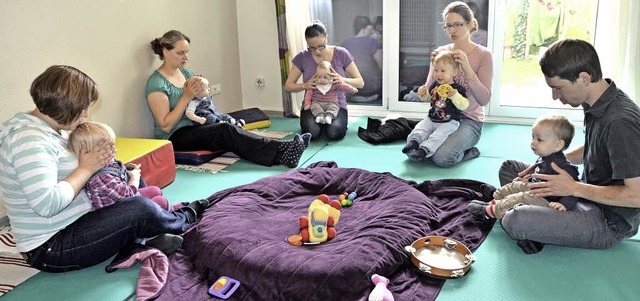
258,46
231,44
109,40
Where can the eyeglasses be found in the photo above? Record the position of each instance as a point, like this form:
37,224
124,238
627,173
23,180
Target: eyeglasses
456,25
321,47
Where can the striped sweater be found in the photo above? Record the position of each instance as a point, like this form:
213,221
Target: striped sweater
34,161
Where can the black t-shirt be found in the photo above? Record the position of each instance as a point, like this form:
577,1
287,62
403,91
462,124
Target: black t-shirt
443,109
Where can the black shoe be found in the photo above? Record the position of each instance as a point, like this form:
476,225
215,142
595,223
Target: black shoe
471,153
166,243
411,145
417,155
199,206
530,246
487,191
478,209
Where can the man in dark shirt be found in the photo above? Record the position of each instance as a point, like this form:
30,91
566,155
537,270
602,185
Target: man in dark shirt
608,207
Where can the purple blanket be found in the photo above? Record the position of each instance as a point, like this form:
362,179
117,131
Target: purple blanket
243,236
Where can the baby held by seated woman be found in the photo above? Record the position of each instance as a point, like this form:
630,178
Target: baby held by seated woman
114,181
202,111
323,100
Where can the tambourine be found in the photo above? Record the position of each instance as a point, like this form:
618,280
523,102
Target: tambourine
440,256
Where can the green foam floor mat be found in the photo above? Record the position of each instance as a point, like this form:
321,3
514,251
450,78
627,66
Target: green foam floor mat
502,271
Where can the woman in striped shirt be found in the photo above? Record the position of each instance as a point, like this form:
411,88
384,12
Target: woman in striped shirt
42,184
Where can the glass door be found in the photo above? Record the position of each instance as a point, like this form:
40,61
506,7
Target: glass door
523,30
357,25
420,31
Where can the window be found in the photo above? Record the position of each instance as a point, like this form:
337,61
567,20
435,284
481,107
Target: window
516,31
524,29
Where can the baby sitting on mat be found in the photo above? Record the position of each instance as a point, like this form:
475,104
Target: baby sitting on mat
202,111
551,135
448,99
323,100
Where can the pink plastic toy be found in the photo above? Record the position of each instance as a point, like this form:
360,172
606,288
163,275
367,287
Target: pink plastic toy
380,292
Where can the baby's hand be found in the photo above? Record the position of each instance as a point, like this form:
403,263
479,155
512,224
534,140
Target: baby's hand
451,93
134,175
201,120
422,91
133,166
557,206
306,107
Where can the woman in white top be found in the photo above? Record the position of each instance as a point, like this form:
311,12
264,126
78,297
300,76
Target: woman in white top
42,184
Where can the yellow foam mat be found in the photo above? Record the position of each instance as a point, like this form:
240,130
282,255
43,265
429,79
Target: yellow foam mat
129,149
257,125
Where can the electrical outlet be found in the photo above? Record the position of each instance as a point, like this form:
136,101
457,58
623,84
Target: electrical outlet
260,81
216,89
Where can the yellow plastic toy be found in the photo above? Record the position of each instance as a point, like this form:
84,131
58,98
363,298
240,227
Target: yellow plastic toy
322,216
443,90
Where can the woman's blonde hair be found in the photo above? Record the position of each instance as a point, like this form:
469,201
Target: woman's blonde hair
89,132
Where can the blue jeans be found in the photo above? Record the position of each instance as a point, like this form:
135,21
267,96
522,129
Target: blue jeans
585,226
431,135
334,131
100,234
452,151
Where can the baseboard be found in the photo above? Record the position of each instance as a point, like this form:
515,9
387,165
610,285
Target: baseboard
360,111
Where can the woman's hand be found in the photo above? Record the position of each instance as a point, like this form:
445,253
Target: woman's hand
561,184
310,84
193,86
335,77
433,55
461,58
101,154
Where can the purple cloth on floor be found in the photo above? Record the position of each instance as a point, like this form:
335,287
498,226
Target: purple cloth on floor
153,272
243,236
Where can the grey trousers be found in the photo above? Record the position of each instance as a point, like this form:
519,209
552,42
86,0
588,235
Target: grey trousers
322,108
583,227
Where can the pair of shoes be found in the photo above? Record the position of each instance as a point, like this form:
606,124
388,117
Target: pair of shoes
166,243
411,145
417,155
478,209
